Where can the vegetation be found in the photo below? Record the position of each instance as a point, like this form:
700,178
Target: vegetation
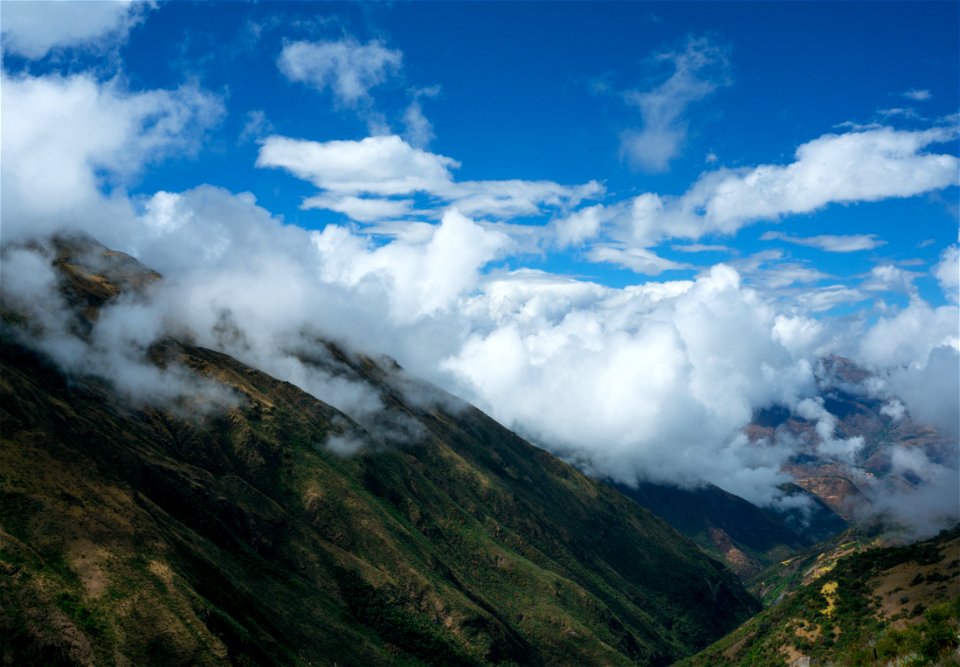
172,534
883,605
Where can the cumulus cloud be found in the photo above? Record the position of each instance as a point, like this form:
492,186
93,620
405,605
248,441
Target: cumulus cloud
829,242
67,140
647,382
33,29
697,70
346,67
421,278
916,355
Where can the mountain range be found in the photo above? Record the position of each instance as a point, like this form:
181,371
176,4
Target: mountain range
271,528
202,511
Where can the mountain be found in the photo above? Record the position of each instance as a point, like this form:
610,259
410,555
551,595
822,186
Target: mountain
741,534
883,605
849,485
237,519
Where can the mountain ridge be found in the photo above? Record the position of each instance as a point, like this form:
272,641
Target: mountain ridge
187,532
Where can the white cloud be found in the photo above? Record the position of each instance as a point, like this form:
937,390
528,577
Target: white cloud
361,209
947,272
886,277
66,140
385,166
841,449
917,95
33,29
697,71
349,69
579,226
826,298
419,131
653,380
829,242
700,247
894,409
638,260
909,336
931,388
650,381
421,278
925,507
256,127
868,165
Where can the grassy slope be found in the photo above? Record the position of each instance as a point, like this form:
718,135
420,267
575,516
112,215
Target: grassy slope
162,536
727,527
867,607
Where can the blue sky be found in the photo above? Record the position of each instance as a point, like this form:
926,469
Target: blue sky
618,227
539,91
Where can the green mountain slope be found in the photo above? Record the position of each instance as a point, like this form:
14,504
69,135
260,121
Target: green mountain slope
140,534
880,606
728,527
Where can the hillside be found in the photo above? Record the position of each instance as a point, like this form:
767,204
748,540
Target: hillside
728,527
264,526
876,606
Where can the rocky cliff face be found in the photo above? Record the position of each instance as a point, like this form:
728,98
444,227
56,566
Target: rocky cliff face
249,522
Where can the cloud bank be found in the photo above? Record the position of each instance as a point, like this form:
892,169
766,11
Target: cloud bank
653,381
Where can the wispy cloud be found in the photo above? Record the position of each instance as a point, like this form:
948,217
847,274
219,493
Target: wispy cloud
638,260
346,67
387,166
947,272
419,129
917,95
698,70
868,165
700,247
829,242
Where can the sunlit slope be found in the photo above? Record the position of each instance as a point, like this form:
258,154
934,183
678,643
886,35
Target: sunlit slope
879,606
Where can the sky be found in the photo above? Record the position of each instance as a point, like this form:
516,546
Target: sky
619,228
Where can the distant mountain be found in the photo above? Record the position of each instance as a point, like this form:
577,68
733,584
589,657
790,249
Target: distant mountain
264,526
743,535
848,485
894,605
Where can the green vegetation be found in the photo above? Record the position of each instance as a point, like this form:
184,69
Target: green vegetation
859,612
176,535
